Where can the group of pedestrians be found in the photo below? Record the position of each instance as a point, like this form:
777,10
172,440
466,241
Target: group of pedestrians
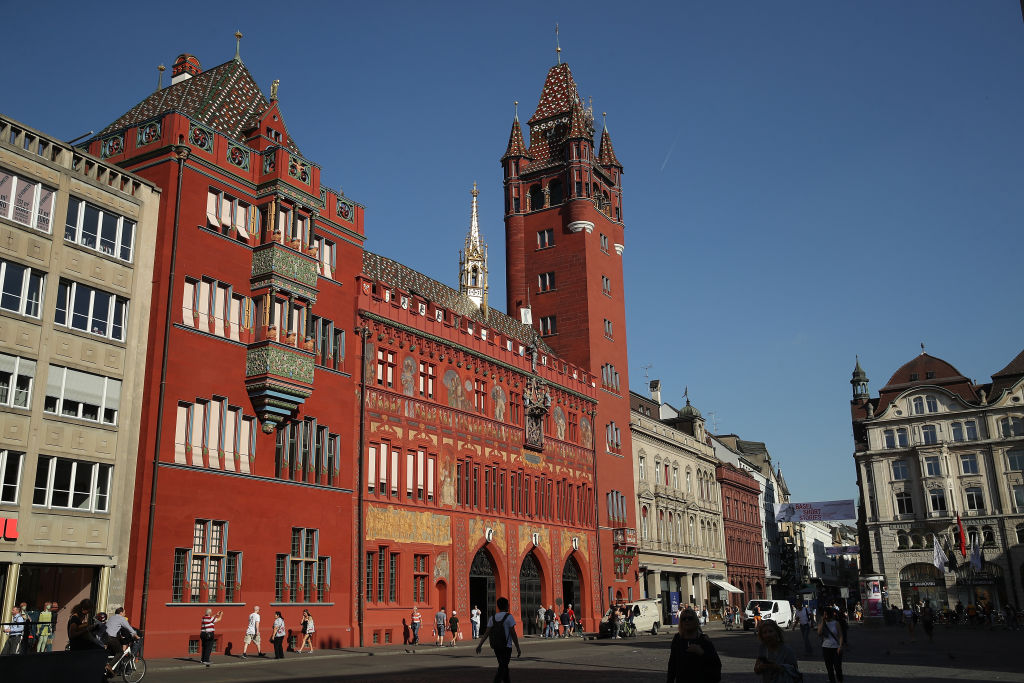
278,633
551,624
30,630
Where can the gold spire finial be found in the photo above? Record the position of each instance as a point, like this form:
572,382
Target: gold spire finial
475,192
273,89
558,48
238,44
160,78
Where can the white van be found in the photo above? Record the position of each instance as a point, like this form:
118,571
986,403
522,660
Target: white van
649,619
779,611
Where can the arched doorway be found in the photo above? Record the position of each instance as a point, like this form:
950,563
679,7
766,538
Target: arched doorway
571,586
529,593
441,591
923,581
483,587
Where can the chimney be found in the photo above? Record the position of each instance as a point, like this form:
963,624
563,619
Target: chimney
656,391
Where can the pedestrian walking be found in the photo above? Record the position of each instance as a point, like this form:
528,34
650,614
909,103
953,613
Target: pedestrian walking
550,629
208,634
540,620
453,626
563,620
833,636
805,619
501,634
440,625
928,619
474,619
572,620
415,622
308,631
79,629
693,656
252,633
703,615
757,615
909,620
775,662
277,635
15,632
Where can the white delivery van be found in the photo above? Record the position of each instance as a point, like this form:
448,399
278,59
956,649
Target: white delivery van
779,611
649,618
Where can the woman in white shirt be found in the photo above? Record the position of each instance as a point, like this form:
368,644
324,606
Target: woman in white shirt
833,637
277,636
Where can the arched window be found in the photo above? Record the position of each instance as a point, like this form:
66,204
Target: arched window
671,529
675,478
693,535
661,525
555,193
902,540
715,543
643,523
473,276
689,482
916,541
988,536
536,197
918,405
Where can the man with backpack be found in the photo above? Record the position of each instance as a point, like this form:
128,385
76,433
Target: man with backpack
501,635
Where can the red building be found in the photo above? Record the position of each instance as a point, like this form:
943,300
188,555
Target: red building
445,457
245,477
564,241
741,521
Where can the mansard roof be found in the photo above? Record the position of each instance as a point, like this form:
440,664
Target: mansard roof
1008,376
226,98
926,370
392,272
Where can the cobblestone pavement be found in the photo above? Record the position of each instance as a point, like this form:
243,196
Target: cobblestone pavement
876,655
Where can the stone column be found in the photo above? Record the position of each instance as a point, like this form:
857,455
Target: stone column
653,583
103,590
10,591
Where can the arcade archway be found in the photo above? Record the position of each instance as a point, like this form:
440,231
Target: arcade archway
530,598
483,584
571,586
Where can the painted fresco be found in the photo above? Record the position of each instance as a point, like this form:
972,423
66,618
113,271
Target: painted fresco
498,395
558,416
407,526
586,433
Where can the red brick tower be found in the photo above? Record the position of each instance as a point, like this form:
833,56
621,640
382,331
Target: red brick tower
564,241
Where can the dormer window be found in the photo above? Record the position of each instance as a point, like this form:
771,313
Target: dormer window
913,377
929,375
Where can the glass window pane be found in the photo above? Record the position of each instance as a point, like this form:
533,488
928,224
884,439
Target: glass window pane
117,326
90,226
24,198
103,488
71,224
42,476
6,185
127,239
14,279
45,210
61,483
63,292
100,313
34,294
80,307
108,235
82,486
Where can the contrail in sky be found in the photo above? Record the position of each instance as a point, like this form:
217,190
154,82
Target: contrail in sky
672,147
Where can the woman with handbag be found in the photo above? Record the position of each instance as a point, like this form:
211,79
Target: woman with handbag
833,636
693,657
279,632
307,631
775,661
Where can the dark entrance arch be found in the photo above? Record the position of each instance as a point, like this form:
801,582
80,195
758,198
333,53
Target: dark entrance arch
483,588
571,586
529,593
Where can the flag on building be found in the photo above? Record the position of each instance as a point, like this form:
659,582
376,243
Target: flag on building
963,536
938,557
975,555
950,558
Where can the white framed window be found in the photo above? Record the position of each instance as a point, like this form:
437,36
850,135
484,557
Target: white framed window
21,288
938,500
929,434
1011,426
608,329
99,229
16,377
975,498
1015,459
224,212
895,438
918,405
965,431
969,463
26,201
904,503
606,285
327,255
62,483
1018,498
545,238
10,475
604,242
82,395
932,404
85,308
642,467
546,282
932,466
899,470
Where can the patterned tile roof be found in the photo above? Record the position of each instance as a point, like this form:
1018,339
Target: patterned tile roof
516,146
225,98
606,155
558,94
577,122
394,273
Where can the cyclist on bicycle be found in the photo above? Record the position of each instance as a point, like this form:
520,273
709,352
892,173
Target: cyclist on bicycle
118,633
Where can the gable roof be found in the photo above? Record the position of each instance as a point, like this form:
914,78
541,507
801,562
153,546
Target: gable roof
226,98
1008,376
394,273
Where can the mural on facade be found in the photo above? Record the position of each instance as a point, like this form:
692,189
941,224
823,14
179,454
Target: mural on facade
586,433
558,415
498,394
458,395
407,526
441,566
408,375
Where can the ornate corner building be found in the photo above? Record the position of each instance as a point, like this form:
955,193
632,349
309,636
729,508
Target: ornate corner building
931,447
77,236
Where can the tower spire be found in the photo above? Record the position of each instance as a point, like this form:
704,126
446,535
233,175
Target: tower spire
558,48
238,46
473,259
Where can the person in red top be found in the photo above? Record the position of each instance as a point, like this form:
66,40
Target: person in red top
572,620
207,634
415,623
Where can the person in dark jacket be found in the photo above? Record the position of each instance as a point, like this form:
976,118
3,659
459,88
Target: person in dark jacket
693,657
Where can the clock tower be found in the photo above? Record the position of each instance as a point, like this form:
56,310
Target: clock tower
565,239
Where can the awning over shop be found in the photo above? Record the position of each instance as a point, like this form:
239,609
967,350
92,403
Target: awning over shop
726,585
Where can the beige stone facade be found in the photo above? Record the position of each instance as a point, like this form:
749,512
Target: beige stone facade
678,506
77,239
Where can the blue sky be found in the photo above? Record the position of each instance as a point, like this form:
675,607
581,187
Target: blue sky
804,181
